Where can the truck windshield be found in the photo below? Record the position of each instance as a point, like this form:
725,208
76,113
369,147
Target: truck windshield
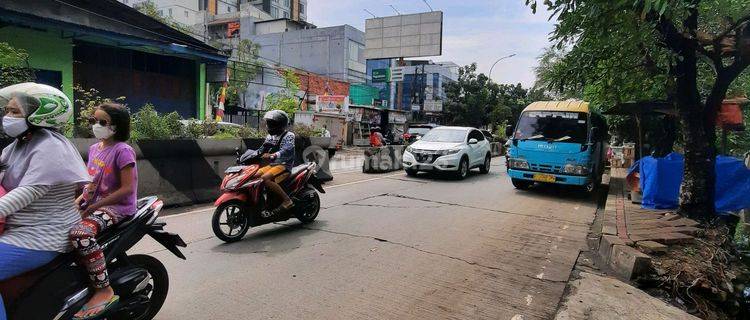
552,126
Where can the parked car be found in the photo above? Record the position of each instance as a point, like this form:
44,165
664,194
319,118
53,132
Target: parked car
449,149
417,131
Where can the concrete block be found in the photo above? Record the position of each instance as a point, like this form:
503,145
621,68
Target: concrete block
651,247
674,238
605,246
609,228
629,262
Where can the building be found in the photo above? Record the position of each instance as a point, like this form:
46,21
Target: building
336,52
187,12
97,45
295,10
421,88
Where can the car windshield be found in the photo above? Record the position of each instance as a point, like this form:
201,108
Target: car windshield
420,131
552,126
445,135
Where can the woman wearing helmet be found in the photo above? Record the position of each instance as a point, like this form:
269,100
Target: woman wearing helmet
278,148
43,173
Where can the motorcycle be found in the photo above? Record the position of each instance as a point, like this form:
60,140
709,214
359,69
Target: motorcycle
246,203
59,289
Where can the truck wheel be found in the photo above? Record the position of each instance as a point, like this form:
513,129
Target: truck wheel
521,184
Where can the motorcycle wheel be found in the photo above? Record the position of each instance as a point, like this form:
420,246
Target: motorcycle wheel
236,220
156,290
308,206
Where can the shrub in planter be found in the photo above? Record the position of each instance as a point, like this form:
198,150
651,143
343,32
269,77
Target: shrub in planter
148,125
306,131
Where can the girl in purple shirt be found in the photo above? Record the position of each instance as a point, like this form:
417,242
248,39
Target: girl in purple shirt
108,199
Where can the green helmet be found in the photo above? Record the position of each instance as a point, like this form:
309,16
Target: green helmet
53,108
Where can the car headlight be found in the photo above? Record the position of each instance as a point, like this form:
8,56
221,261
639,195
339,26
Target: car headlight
518,164
576,169
409,149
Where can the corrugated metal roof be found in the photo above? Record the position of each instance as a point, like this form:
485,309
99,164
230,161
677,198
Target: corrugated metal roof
568,105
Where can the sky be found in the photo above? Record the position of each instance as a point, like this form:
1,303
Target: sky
478,31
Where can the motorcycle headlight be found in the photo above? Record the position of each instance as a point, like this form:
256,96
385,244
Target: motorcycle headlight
518,164
233,183
576,169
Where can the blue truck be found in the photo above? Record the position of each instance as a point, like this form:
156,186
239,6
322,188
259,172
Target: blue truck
559,142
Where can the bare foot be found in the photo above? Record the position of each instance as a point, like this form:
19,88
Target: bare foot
97,303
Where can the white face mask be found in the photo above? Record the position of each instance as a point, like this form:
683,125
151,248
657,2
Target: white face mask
101,132
14,127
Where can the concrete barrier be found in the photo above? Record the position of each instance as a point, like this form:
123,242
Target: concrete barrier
383,159
183,172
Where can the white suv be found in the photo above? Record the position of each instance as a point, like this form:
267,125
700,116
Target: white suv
455,149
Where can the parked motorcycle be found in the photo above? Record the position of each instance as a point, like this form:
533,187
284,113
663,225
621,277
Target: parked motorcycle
59,289
246,203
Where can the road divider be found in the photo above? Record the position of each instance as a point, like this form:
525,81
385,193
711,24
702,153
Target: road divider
383,159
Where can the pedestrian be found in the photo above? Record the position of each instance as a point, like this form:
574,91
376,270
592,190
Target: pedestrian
326,133
107,200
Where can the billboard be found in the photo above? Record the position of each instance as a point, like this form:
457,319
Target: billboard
381,75
332,104
404,36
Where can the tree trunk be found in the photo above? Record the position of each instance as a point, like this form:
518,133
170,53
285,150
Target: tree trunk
697,192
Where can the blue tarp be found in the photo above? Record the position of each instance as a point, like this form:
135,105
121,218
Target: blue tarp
661,179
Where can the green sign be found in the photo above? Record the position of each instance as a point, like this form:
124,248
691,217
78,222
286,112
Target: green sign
381,75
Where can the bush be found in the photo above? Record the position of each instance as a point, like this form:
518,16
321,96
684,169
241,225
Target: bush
306,131
148,125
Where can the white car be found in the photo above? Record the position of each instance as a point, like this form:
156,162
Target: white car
449,149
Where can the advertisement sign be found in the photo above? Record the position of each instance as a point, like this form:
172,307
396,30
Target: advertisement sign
403,36
381,75
397,74
332,104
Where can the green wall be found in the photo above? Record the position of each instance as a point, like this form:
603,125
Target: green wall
47,50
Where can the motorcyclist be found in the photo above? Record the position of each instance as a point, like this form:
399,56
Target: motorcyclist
278,148
43,173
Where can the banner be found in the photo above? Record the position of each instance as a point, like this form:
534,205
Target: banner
332,104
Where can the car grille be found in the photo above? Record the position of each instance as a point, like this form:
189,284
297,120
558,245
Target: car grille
545,168
423,157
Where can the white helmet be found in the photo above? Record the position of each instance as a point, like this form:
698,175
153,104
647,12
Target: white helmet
53,108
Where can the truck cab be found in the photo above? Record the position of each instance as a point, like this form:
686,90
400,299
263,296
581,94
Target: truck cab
560,142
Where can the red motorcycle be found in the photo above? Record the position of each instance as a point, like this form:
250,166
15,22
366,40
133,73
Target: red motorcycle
246,203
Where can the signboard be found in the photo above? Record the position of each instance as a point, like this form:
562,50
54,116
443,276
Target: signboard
397,74
433,105
415,107
332,104
381,75
216,72
233,29
402,36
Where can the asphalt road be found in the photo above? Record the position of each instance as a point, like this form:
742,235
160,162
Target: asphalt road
388,247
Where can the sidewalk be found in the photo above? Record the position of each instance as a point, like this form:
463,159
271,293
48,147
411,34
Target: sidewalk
625,232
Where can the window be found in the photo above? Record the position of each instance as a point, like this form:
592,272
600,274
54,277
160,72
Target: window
275,12
301,8
286,3
476,135
170,12
187,14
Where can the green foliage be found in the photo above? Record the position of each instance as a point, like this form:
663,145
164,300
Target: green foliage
243,68
150,9
147,124
14,66
286,99
302,130
475,100
86,101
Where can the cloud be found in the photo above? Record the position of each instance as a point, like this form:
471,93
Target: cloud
478,31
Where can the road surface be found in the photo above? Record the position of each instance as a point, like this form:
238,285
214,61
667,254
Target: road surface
388,246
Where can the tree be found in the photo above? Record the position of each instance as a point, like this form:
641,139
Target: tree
286,99
688,52
244,68
14,66
474,100
149,8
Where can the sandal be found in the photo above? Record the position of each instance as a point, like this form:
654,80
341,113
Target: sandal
107,306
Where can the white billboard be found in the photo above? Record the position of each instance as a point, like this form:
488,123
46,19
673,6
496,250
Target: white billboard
404,36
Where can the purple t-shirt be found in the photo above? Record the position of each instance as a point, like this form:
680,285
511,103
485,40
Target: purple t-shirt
104,166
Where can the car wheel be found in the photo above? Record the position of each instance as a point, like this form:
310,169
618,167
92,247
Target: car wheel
485,168
521,184
463,169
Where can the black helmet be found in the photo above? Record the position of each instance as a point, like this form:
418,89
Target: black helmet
276,121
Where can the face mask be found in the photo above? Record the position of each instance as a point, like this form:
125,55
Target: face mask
101,132
14,127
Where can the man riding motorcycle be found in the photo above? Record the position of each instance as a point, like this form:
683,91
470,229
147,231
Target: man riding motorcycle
278,149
